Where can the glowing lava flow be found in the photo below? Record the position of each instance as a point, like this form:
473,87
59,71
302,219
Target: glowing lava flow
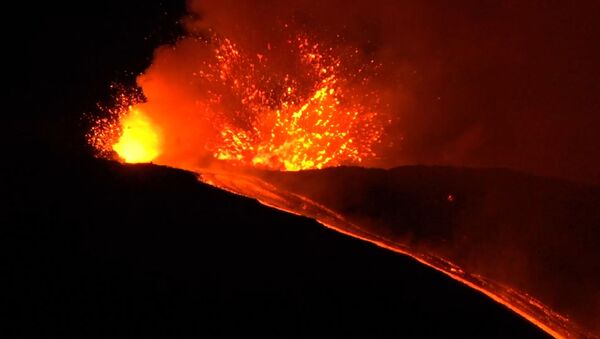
270,195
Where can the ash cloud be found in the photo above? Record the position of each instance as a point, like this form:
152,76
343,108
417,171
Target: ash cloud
493,83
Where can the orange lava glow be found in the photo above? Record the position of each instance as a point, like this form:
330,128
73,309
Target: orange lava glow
299,132
140,140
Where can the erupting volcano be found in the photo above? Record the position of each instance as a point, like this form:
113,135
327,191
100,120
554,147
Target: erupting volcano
243,115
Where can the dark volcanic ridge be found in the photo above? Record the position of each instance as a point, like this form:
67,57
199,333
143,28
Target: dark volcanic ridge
533,234
103,248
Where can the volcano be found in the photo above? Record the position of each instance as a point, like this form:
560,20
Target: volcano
224,97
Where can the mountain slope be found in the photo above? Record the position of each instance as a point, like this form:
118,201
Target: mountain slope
103,249
534,234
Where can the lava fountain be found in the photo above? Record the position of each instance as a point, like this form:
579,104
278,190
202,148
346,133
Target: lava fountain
232,114
314,111
140,139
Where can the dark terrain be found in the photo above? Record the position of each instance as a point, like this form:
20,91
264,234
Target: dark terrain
534,234
102,249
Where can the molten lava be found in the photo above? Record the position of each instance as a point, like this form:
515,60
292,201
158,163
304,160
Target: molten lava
140,140
294,129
